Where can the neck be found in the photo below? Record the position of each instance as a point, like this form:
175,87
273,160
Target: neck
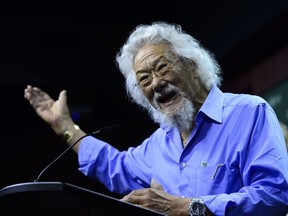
185,135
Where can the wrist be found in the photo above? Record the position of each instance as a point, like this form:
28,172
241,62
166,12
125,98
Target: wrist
196,207
69,133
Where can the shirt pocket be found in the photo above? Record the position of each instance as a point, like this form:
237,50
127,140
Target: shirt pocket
218,178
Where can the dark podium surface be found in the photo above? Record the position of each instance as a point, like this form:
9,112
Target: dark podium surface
58,198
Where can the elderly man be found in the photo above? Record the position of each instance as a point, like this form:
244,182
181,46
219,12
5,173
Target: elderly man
214,153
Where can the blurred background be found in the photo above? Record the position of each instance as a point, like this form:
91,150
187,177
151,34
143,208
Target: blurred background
74,49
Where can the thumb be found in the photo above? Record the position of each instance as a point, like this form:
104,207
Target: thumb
63,96
63,106
156,185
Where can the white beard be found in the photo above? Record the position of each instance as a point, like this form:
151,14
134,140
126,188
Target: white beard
180,117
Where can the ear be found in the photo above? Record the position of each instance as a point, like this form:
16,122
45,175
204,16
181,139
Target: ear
192,65
195,71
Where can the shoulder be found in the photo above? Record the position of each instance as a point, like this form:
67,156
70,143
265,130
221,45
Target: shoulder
246,100
159,136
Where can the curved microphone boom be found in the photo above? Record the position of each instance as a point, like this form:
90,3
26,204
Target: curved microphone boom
71,146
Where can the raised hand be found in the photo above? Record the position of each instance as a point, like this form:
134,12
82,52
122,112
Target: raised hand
54,113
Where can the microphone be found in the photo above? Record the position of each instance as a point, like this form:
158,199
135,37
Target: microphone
71,146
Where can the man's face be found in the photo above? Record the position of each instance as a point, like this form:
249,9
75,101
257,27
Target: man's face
164,79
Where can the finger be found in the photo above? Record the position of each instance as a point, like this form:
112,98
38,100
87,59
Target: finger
27,91
154,184
128,198
138,200
134,196
63,96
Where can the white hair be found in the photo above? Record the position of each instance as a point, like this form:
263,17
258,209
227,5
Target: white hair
181,43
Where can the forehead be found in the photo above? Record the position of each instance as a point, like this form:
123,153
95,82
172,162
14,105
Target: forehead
151,52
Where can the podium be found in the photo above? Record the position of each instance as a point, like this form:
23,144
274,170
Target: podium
58,198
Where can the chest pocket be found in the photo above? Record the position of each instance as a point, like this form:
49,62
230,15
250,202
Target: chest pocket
215,179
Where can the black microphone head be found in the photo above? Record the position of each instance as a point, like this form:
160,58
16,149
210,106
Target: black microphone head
103,129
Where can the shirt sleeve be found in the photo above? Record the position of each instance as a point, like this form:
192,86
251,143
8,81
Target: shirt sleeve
263,164
119,172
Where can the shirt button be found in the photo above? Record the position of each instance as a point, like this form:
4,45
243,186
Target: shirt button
183,164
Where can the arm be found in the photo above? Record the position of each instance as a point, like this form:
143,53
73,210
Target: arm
263,167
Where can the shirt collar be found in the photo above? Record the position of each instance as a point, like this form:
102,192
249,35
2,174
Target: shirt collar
213,104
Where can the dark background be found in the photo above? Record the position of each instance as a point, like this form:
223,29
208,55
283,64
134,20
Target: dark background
74,49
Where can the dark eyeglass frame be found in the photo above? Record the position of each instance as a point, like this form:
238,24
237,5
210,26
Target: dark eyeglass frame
145,80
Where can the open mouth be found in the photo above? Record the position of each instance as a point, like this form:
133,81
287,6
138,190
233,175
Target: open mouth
167,98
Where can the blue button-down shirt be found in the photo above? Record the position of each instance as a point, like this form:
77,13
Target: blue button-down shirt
235,160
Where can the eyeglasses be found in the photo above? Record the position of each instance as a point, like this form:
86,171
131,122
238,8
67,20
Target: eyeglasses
145,77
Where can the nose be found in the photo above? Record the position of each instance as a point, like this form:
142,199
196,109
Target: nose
157,83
